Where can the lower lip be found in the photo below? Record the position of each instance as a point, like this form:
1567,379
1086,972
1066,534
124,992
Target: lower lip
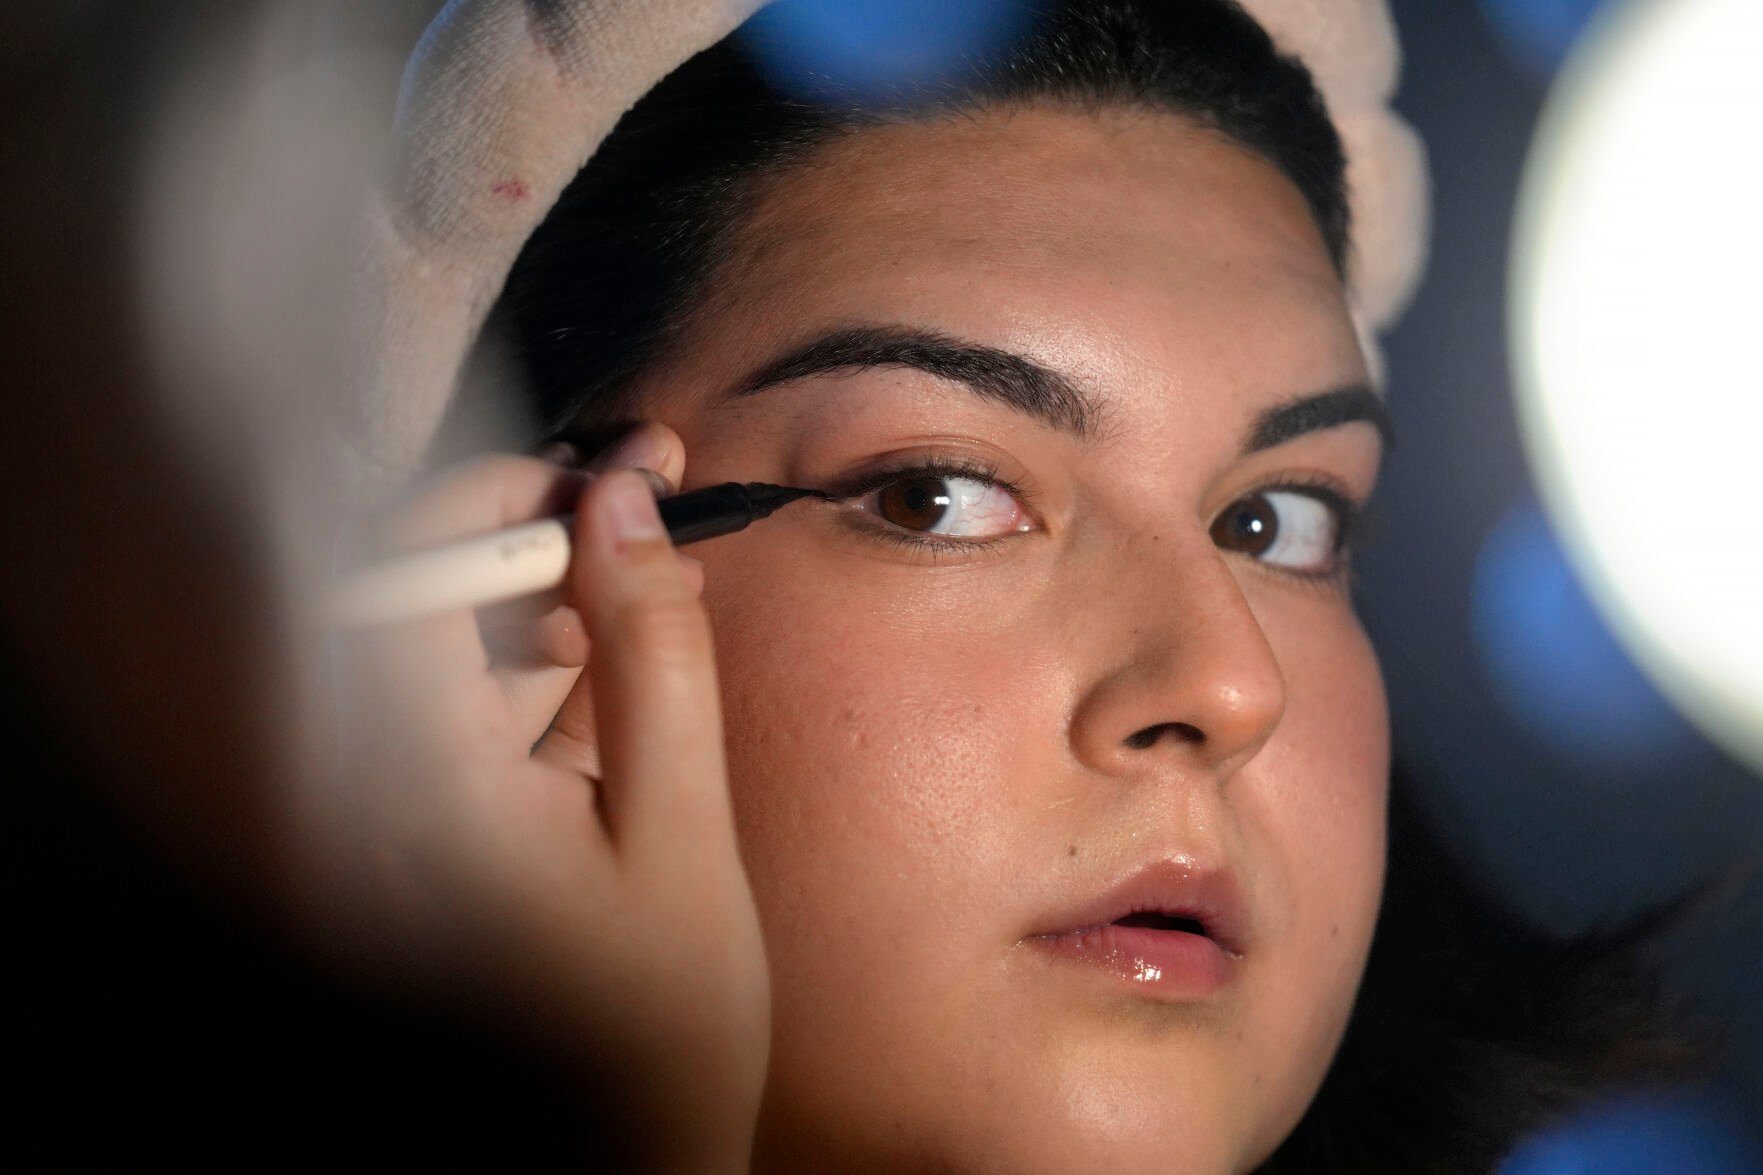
1168,963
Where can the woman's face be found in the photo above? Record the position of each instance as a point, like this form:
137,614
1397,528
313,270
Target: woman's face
955,765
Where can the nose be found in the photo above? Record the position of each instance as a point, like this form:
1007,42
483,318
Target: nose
1189,677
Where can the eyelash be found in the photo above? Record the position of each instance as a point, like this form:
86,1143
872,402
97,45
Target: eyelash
1349,515
934,465
1350,519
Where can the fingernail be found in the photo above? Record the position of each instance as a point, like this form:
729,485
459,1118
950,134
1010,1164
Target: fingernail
630,510
658,482
644,448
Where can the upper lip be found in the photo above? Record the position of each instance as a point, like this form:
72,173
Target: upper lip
1174,886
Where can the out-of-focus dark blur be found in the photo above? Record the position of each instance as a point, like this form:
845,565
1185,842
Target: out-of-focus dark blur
1561,772
1563,776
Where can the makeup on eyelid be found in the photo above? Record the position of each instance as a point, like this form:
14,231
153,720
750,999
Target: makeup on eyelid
914,480
535,556
1299,526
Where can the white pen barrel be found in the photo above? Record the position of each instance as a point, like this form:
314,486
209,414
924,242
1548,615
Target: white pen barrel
484,570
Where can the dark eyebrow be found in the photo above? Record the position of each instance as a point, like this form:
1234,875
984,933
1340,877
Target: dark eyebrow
1011,379
1030,388
1294,418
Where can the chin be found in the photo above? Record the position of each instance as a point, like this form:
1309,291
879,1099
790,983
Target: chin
1099,1101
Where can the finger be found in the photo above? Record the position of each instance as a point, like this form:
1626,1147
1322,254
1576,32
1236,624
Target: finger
483,495
650,688
537,663
546,630
534,691
649,445
531,642
693,570
510,616
558,639
560,453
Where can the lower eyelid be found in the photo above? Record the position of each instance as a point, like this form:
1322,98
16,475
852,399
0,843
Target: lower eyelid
880,531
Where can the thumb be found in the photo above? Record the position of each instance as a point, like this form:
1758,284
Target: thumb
651,679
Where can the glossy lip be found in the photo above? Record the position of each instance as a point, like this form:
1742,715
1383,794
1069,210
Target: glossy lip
1165,963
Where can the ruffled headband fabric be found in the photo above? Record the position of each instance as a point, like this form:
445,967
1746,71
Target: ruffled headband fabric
505,100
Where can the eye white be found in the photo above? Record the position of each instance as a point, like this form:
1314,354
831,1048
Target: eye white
970,508
1305,539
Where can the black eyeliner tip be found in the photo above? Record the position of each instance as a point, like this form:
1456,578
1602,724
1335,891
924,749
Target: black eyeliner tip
776,495
766,497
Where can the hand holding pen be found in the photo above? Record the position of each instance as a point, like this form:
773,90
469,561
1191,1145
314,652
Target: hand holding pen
529,558
589,880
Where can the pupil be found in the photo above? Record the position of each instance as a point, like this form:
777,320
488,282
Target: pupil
1249,525
917,503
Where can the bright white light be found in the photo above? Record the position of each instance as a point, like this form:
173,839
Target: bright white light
1637,320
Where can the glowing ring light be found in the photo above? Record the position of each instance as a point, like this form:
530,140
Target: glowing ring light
1637,322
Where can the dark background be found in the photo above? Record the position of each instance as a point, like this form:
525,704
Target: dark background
1572,837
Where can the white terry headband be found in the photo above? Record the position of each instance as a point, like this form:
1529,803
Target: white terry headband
505,100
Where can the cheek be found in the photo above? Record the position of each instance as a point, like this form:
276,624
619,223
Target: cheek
1324,775
870,750
1318,790
1316,801
876,768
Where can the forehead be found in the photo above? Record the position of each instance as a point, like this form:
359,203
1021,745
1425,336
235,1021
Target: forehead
1122,246
1045,171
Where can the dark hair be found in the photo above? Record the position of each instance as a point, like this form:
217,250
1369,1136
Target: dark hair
609,276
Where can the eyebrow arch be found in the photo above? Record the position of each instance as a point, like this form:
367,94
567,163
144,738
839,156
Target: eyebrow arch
1011,379
1306,414
1032,389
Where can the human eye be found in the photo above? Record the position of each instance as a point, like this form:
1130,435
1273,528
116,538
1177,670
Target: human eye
1300,529
943,503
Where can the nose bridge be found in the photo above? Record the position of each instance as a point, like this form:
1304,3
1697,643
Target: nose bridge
1188,673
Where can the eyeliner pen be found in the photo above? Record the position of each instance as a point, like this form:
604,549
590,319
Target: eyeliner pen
529,558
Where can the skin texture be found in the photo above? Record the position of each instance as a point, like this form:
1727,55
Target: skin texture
930,756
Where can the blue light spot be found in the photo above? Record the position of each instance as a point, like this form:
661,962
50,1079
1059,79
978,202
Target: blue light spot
1552,663
1538,33
821,48
1640,1136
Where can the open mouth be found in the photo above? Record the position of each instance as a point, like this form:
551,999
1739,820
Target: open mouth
1170,930
1164,955
1151,920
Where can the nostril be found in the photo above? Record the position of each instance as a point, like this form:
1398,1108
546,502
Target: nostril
1183,732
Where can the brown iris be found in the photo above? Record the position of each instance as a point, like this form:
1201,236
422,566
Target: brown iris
1249,524
917,503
